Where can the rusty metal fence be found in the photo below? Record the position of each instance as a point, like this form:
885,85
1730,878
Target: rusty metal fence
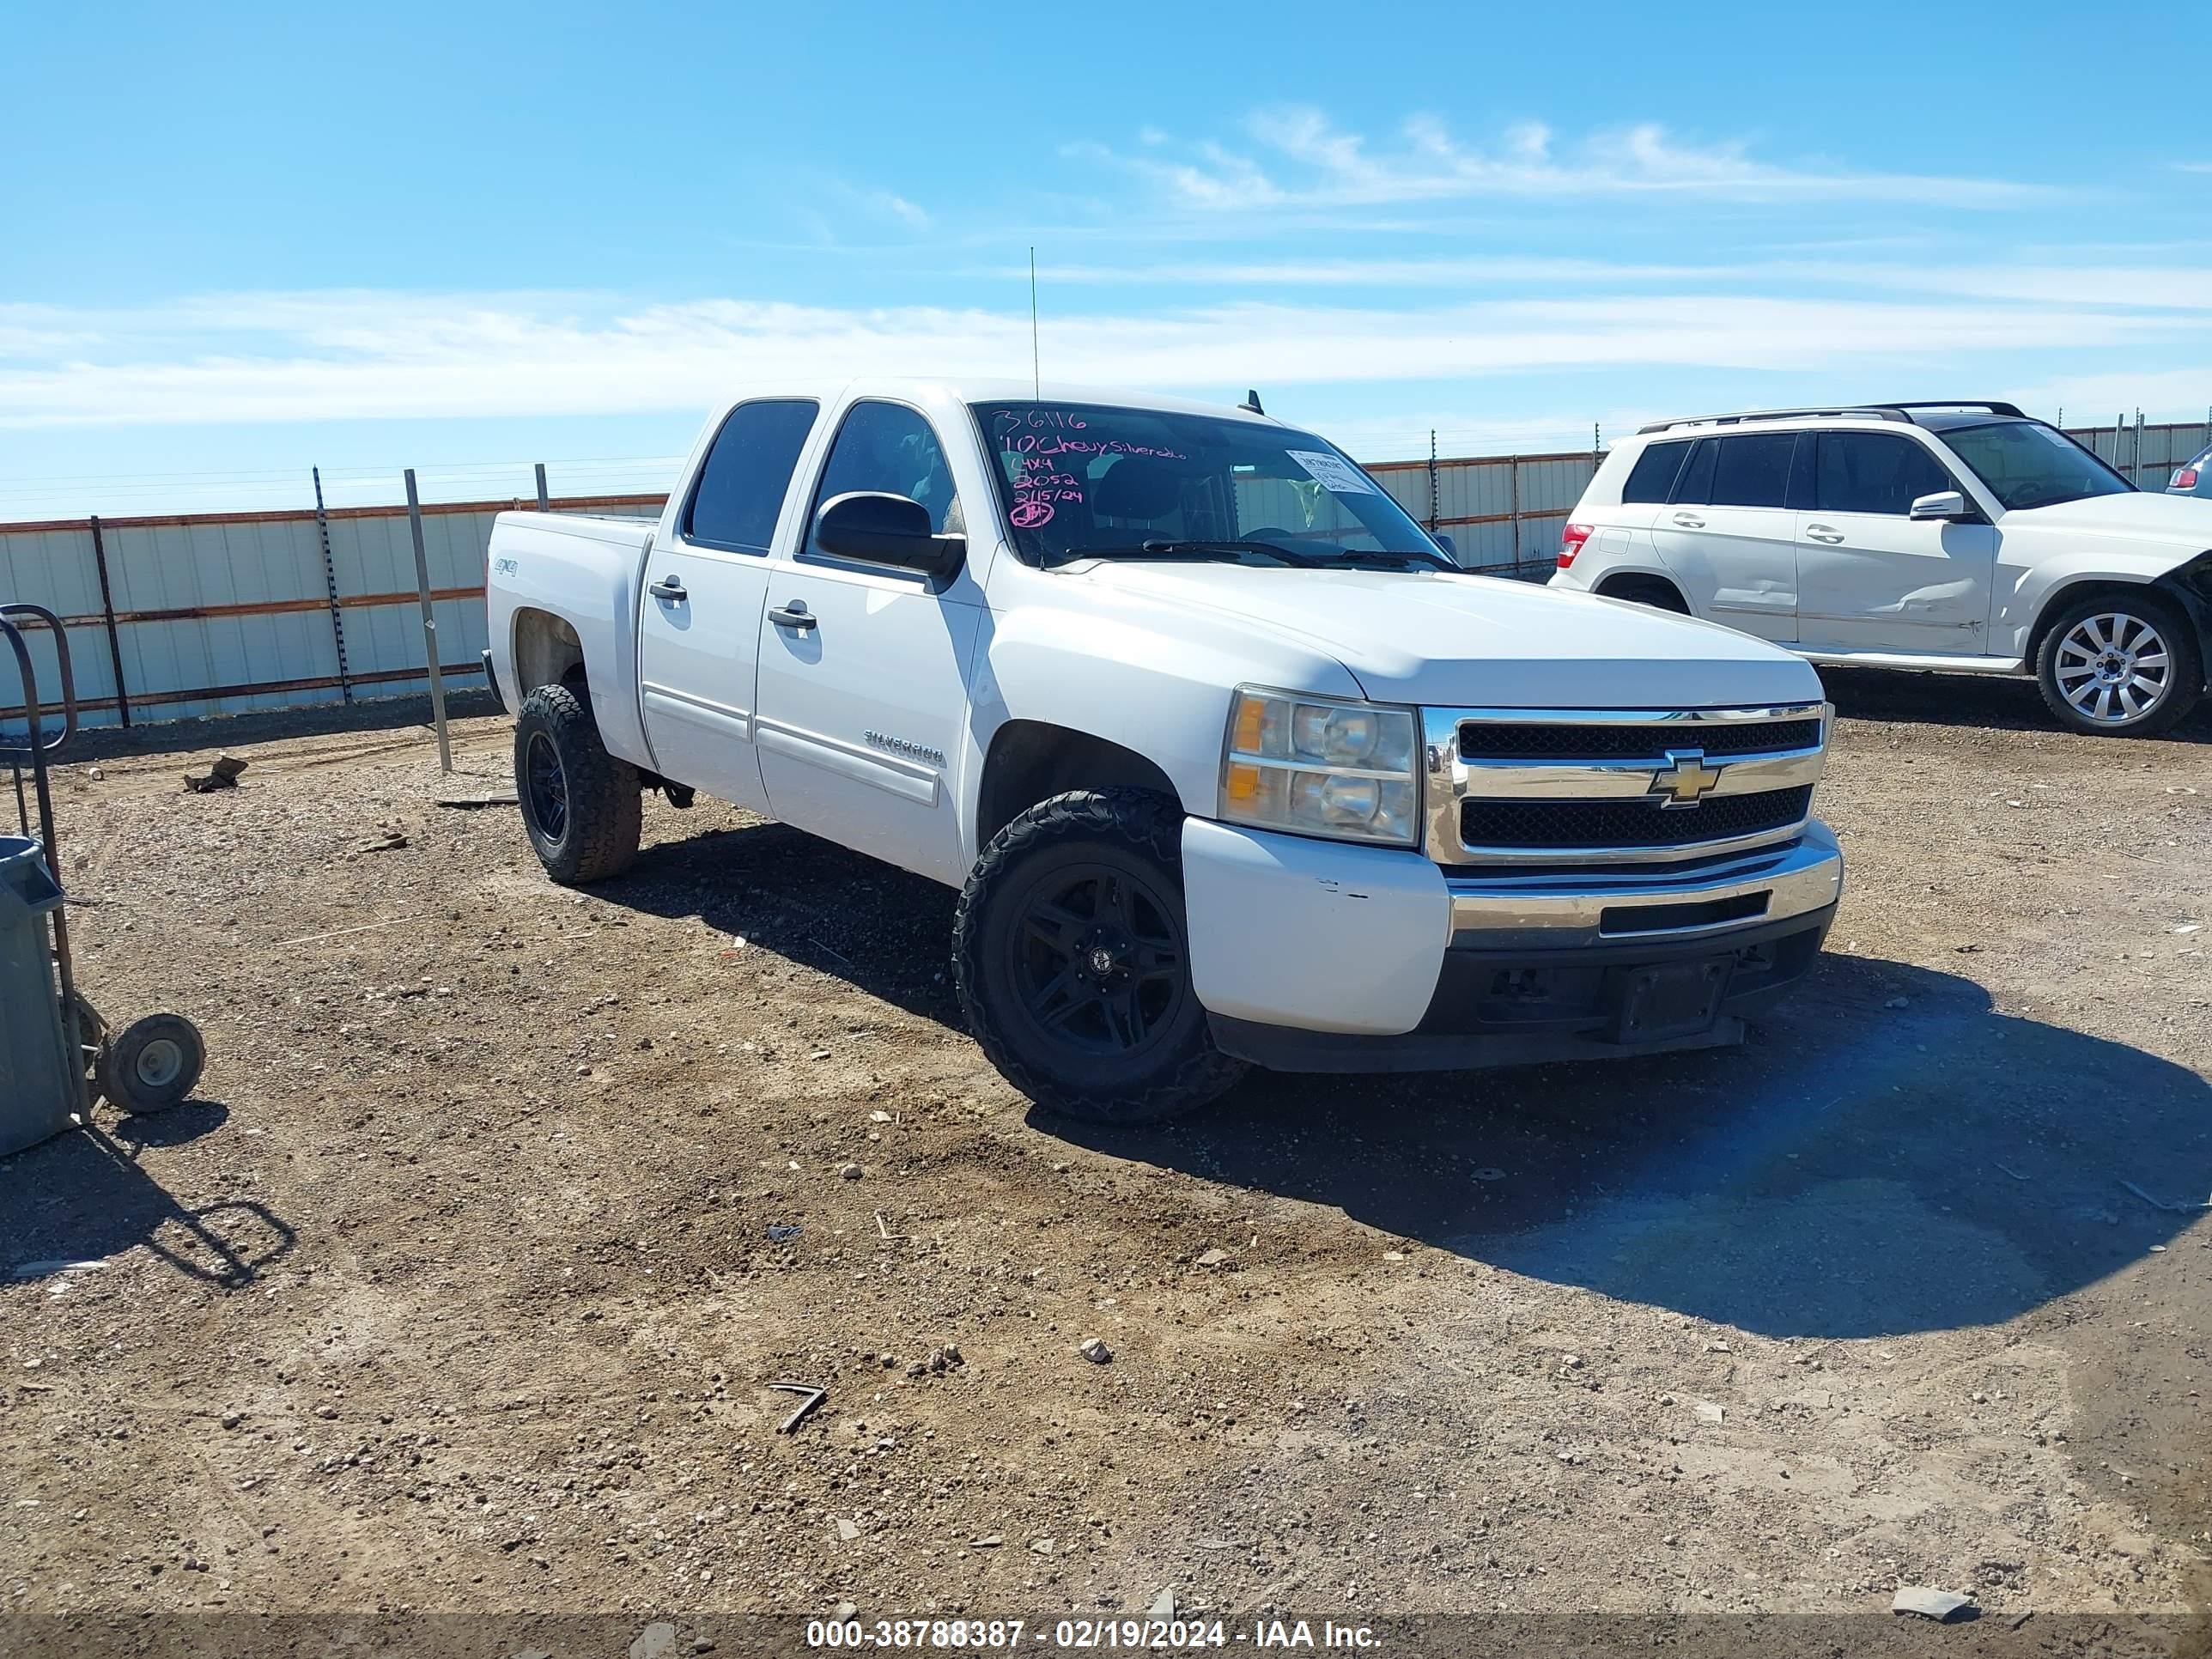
223,613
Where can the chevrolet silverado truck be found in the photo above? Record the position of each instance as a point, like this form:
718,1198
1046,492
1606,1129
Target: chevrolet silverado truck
1228,759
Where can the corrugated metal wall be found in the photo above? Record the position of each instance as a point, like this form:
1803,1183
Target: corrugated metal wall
2148,454
218,614
225,613
1504,513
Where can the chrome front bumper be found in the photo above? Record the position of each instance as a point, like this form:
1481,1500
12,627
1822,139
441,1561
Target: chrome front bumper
1561,910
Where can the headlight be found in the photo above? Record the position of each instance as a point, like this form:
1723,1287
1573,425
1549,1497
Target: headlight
1320,767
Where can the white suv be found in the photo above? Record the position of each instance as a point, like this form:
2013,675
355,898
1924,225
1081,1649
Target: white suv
1965,538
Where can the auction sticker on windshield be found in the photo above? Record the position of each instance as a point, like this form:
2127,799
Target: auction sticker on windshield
1332,472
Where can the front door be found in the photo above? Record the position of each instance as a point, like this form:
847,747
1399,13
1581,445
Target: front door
699,625
1871,578
1729,536
863,668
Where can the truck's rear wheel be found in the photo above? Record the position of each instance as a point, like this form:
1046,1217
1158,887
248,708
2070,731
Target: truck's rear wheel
1072,961
2117,665
583,808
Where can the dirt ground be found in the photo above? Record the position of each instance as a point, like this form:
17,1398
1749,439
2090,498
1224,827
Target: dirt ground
461,1285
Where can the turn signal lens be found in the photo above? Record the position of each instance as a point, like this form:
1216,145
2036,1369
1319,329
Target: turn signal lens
1571,542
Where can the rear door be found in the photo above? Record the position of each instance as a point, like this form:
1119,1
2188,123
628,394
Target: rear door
863,668
700,613
1729,536
1869,578
1619,535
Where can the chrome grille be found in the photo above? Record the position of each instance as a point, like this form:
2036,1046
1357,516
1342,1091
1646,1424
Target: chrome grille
1543,740
1615,786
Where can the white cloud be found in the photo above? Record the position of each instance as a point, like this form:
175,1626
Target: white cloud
1311,162
899,208
349,355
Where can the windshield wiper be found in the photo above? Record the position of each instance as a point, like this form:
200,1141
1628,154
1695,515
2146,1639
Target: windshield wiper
1390,559
1194,550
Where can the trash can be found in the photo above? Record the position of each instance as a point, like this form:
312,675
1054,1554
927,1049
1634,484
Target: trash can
38,1083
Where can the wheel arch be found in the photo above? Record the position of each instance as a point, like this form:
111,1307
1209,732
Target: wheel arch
2188,589
1628,584
546,651
1030,760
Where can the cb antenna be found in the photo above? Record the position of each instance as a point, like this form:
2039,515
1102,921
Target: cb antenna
1036,373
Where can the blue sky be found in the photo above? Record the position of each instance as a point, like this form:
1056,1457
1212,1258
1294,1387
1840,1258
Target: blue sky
237,241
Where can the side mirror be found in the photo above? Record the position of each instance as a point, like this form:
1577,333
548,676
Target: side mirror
1943,504
1442,538
878,527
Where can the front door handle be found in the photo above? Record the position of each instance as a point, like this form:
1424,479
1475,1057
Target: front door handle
1689,521
669,587
1820,532
794,616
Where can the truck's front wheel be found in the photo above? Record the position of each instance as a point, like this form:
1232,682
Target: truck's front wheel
1072,961
581,805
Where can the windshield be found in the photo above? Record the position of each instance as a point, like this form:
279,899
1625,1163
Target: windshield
1079,480
2027,463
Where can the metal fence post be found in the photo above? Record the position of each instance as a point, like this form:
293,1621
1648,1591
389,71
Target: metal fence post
330,585
1513,484
429,625
1432,480
107,615
544,501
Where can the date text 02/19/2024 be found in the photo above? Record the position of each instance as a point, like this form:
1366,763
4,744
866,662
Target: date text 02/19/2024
1132,1635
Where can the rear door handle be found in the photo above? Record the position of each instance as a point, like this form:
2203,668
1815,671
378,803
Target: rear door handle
794,616
1820,532
669,587
1689,521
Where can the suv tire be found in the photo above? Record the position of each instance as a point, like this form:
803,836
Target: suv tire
584,809
2106,650
1072,958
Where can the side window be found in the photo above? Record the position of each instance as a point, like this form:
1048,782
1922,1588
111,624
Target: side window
891,448
1695,486
1876,473
1753,471
1653,475
741,485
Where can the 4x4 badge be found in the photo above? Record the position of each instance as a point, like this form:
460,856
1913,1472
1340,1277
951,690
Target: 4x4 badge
1686,779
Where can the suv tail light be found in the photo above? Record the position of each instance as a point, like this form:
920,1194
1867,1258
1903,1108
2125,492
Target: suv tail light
1571,542
2185,478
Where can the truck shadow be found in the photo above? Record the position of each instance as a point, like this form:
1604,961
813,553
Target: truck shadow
1860,1169
2003,705
85,1196
878,927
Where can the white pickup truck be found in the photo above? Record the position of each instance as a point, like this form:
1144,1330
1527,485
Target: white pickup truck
1229,761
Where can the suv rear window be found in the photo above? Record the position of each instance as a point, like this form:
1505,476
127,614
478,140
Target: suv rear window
1753,471
1652,477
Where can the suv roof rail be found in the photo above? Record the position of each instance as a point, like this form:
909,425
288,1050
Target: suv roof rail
1865,411
1989,404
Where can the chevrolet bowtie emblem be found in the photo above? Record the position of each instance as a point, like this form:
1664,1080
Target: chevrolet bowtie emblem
1686,779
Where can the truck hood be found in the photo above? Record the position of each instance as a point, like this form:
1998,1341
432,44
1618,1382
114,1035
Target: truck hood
1445,638
2183,522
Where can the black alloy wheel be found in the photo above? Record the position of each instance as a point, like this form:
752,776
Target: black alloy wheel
1099,959
1072,958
